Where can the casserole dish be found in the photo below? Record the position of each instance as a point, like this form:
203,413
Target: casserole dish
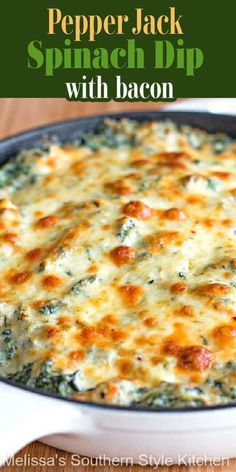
92,429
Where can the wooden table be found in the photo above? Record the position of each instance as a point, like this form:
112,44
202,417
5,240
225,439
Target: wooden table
17,115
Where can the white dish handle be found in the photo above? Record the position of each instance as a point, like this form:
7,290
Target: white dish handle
26,416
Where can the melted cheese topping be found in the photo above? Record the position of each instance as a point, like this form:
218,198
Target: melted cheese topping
118,263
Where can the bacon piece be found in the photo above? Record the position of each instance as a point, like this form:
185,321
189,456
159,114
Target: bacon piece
214,289
187,310
51,281
52,331
171,347
120,187
47,222
159,241
77,355
196,358
137,210
34,254
174,214
101,335
64,319
233,263
10,237
121,255
224,335
173,159
150,322
177,155
222,175
178,288
131,294
21,277
140,162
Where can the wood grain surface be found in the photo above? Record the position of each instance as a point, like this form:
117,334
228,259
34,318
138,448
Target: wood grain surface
17,115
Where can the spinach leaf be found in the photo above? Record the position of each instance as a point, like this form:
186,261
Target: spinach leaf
9,347
49,380
14,173
81,284
125,229
213,184
23,375
112,134
51,307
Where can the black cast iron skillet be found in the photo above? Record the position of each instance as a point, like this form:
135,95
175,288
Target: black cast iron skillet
72,130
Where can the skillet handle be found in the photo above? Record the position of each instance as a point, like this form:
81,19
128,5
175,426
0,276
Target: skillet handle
26,416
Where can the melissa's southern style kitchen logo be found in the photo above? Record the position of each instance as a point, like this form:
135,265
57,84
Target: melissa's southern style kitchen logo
80,52
79,462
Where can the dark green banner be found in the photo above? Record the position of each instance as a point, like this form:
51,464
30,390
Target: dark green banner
125,50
